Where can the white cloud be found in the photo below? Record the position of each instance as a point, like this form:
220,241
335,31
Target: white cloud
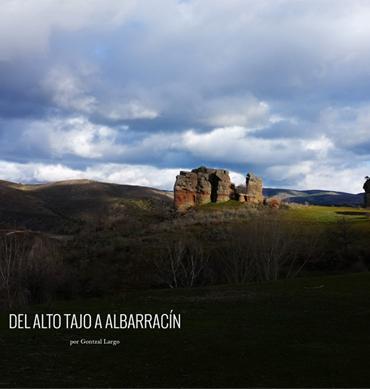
287,172
240,67
238,145
143,175
36,172
237,178
26,25
321,146
236,111
129,110
69,91
327,175
73,91
346,126
306,175
80,137
77,136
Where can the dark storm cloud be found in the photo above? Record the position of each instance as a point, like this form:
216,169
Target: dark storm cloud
280,88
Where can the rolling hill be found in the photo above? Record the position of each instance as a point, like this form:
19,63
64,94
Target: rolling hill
64,206
316,197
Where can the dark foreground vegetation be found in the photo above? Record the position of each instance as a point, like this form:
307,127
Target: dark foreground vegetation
304,332
268,297
210,246
145,247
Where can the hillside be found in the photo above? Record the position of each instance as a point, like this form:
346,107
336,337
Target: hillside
64,206
316,197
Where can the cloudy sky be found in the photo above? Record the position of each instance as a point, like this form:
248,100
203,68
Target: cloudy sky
132,91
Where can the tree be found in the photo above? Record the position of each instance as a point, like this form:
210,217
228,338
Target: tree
30,268
13,259
181,264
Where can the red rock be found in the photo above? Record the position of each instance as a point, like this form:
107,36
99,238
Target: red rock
254,189
204,185
185,190
273,202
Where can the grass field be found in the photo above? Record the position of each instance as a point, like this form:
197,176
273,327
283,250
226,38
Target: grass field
329,214
292,333
310,213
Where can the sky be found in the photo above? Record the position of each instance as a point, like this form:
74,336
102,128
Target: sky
133,91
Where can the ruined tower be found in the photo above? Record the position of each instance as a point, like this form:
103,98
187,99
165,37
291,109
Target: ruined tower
204,185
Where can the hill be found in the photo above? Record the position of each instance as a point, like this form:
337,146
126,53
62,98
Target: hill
63,206
316,197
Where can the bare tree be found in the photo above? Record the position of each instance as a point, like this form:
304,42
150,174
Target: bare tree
44,270
181,264
272,247
13,258
265,248
281,249
237,259
30,268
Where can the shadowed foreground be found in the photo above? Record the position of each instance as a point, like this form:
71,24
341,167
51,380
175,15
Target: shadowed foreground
291,333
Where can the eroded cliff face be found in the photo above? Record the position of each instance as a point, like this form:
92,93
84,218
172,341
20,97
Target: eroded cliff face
201,186
204,185
185,190
254,189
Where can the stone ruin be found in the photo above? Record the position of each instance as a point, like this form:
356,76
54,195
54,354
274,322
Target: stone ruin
367,192
204,185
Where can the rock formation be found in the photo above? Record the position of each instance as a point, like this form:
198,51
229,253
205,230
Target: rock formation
204,185
251,192
367,192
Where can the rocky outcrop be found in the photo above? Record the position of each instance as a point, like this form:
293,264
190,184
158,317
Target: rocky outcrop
185,190
254,189
273,202
251,192
367,192
204,185
201,186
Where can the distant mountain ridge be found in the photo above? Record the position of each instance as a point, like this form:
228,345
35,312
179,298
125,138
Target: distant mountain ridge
316,197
